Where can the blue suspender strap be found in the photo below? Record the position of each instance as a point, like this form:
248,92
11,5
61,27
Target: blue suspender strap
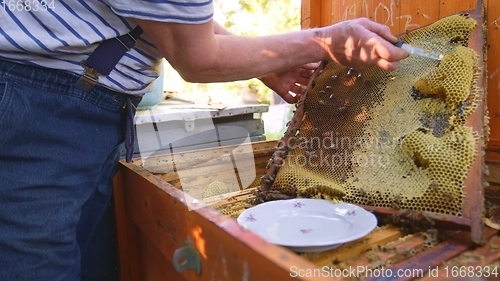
101,62
105,57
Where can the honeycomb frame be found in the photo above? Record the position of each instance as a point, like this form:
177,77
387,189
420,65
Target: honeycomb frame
469,215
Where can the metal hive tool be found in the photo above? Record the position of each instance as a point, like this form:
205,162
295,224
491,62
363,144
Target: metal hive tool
407,143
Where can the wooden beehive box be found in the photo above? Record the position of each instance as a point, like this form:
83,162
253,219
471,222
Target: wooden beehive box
157,221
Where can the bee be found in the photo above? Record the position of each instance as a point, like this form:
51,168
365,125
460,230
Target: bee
448,196
264,180
291,131
396,202
278,161
434,186
343,178
310,153
267,179
306,181
427,220
362,192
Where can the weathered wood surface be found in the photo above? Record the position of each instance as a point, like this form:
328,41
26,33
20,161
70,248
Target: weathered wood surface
154,219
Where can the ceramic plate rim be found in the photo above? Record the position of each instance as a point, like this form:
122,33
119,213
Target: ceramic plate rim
369,222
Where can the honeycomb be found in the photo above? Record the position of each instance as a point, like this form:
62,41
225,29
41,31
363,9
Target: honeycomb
233,210
451,79
215,188
390,139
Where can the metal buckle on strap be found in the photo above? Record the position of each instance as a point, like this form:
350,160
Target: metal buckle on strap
88,80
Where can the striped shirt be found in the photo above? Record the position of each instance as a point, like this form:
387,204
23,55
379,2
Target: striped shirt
60,33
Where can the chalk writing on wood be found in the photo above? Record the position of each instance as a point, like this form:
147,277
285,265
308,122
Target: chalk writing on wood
381,13
408,24
493,75
388,11
496,23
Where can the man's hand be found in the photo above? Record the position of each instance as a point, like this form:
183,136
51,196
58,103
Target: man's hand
360,43
290,84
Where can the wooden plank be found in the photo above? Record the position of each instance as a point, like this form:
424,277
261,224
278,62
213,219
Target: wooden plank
378,237
127,245
399,16
164,113
202,177
306,14
386,12
455,6
385,256
227,251
417,13
311,13
173,135
173,177
239,197
494,173
194,147
493,62
472,206
326,12
169,162
155,266
435,256
195,181
493,148
345,10
382,11
480,257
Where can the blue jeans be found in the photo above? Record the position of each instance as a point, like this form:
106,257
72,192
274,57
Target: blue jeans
59,149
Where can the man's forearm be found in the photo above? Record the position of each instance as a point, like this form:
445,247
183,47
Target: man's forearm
201,55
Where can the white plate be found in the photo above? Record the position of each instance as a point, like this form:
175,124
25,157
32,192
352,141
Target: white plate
308,225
